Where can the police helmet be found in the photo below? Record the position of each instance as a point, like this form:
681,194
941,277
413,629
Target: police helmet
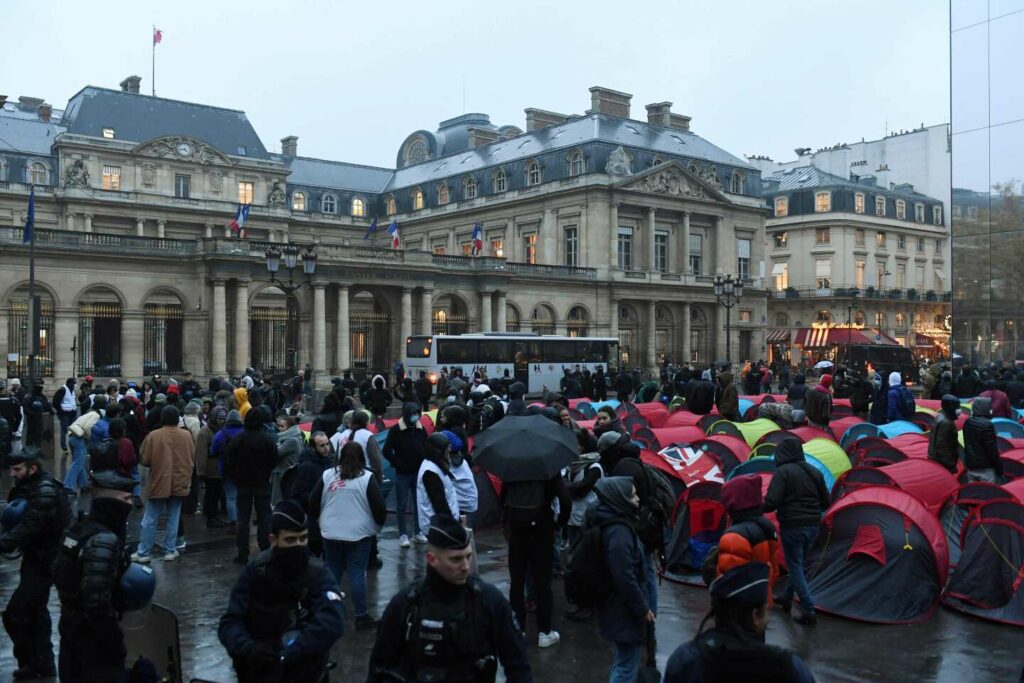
111,479
136,588
436,445
13,513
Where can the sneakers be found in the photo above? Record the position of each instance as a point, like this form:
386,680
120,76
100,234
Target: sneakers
141,559
181,544
403,541
419,538
783,604
171,557
548,639
215,523
364,622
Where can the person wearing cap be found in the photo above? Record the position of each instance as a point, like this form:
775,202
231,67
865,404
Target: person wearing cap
750,537
451,625
87,572
153,416
734,648
286,609
37,535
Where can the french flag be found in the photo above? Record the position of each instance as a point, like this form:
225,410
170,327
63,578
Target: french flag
393,231
478,239
237,223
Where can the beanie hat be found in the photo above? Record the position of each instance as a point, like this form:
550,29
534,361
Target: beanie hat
742,493
826,381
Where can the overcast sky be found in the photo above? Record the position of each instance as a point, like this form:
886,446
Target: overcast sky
353,79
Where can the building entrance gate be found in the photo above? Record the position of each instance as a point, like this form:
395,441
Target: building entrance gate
371,344
274,335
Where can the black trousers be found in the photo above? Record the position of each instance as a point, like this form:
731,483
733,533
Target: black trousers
90,651
530,549
249,499
212,496
27,619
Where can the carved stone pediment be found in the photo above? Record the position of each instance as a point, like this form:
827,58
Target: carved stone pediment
673,180
183,148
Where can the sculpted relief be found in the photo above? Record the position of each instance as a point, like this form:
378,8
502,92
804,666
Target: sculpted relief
618,162
671,182
76,175
184,149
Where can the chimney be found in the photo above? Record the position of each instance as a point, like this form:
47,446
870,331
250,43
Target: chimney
290,146
659,113
3,100
45,112
538,118
607,101
26,103
679,122
481,136
131,84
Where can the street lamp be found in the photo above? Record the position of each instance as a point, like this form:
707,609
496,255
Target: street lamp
849,323
728,292
290,254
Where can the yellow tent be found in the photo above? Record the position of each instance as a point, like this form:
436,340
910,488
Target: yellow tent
830,454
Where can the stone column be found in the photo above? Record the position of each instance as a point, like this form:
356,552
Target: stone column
613,322
241,340
406,329
720,265
651,226
451,250
506,240
426,310
613,239
685,331
319,331
140,227
548,243
650,359
69,224
161,227
343,332
219,339
502,313
133,333
485,310
88,222
272,236
685,251
209,230
424,243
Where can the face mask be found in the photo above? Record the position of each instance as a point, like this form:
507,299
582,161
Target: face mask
451,399
289,562
414,419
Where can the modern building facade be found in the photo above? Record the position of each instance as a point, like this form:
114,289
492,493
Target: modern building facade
593,224
987,114
852,256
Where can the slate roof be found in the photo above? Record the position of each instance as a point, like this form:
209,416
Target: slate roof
139,118
335,174
22,131
808,177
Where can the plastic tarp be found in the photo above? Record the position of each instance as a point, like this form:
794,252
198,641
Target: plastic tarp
688,463
829,454
926,480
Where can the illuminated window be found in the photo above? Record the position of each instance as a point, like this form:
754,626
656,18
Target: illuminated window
823,316
858,202
879,206
781,206
469,188
108,133
467,248
901,209
822,236
901,276
298,201
823,202
530,242
245,192
111,177
858,273
499,181
417,199
328,204
532,173
359,207
781,240
391,207
442,193
498,248
438,249
576,164
881,320
880,240
781,273
823,273
745,315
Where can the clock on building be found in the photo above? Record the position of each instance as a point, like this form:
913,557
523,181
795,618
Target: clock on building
184,149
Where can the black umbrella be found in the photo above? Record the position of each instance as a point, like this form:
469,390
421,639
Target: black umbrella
528,448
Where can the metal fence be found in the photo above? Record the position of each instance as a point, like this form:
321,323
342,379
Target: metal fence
450,324
371,344
164,326
274,338
99,339
19,344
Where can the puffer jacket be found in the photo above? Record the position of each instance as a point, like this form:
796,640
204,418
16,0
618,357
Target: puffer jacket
378,398
981,451
728,398
818,406
750,538
943,446
797,491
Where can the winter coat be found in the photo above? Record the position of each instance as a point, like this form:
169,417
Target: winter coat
378,398
1000,403
701,397
290,444
860,395
879,406
205,465
750,538
623,386
818,406
242,399
728,398
251,456
981,451
310,471
797,393
232,428
797,490
423,389
169,453
621,616
403,447
943,446
82,427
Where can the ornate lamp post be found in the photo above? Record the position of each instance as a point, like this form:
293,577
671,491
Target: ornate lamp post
290,254
728,292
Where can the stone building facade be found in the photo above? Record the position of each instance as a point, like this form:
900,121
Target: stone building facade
593,224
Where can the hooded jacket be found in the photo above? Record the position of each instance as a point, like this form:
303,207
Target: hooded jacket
943,446
797,491
232,427
242,399
403,447
621,616
1000,401
621,449
378,398
290,444
751,537
818,407
728,398
250,457
981,451
205,465
701,398
797,392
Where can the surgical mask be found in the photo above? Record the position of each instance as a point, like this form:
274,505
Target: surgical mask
289,562
451,399
414,419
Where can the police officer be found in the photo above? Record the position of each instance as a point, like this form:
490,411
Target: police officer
734,650
286,609
37,535
450,626
10,411
87,572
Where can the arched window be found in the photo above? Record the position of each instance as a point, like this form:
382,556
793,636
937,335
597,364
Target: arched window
499,181
37,173
511,318
359,207
858,318
578,321
901,321
532,173
469,188
781,320
823,316
658,160
576,163
391,207
543,319
442,193
416,152
881,321
736,183
298,201
329,204
417,199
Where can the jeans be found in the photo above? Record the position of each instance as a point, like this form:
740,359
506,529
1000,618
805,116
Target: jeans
405,490
156,508
65,421
75,478
137,478
530,548
247,500
231,499
986,475
350,556
796,543
625,663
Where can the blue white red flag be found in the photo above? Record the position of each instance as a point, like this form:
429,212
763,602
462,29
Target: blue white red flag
373,229
478,239
393,231
237,224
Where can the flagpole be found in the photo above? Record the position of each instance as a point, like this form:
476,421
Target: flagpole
152,80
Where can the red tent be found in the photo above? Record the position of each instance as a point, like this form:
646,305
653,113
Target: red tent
840,426
807,433
964,502
730,451
682,418
928,481
698,522
1013,463
656,412
670,435
1016,489
688,464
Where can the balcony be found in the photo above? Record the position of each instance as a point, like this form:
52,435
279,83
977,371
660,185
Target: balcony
869,293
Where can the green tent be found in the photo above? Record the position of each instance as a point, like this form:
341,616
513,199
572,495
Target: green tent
830,454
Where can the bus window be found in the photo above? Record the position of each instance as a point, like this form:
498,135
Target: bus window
560,351
533,352
613,357
418,347
494,351
592,351
456,351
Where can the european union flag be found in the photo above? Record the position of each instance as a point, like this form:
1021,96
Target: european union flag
31,220
373,229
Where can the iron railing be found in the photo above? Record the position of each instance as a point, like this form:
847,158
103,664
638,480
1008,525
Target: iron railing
868,293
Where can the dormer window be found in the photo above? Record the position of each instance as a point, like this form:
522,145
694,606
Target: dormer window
108,133
576,164
298,201
532,173
417,199
442,194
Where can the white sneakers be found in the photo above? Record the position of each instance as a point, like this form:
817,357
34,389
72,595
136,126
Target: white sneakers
403,541
141,559
419,538
548,639
171,557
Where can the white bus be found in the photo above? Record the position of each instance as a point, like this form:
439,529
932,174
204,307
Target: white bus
532,359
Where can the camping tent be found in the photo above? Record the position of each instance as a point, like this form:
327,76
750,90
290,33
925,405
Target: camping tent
839,427
656,412
1013,463
829,454
751,432
880,557
926,480
1008,428
966,500
698,522
677,435
987,581
682,418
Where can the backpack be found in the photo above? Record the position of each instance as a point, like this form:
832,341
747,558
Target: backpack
588,582
908,407
526,502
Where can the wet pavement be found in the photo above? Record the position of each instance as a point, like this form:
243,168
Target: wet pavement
948,647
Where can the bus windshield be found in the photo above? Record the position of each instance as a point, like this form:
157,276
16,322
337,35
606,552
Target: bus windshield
418,346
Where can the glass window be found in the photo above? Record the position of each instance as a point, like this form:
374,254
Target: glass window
781,239
900,320
532,173
937,215
781,206
358,207
919,213
298,201
499,182
328,204
880,273
781,272
37,173
562,351
901,242
920,245
456,351
417,199
938,246
576,163
696,248
901,209
498,248
467,248
530,242
108,133
736,183
858,273
111,177
880,240
822,202
879,206
743,259
745,315
182,185
494,351
858,237
901,275
822,236
781,320
823,273
572,246
881,321
661,252
919,280
823,316
625,247
442,193
391,206
438,248
858,202
469,188
245,192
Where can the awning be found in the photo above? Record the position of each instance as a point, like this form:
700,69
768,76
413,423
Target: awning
824,337
776,336
779,268
923,341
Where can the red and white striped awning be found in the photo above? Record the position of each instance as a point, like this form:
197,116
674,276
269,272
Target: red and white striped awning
824,337
778,336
